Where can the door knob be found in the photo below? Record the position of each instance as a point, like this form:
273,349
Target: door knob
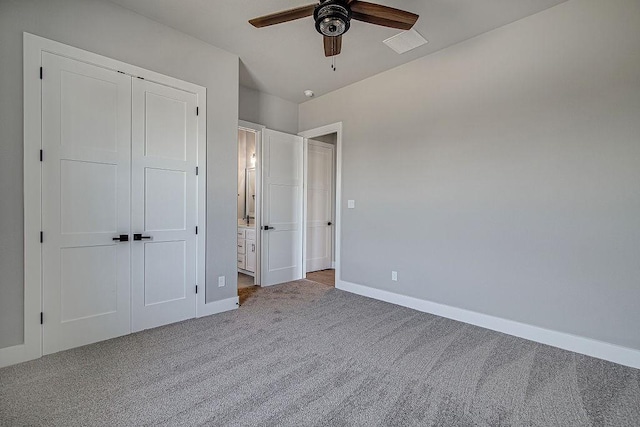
266,227
139,236
329,223
122,238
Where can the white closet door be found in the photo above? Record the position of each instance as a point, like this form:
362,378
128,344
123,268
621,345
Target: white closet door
164,205
319,205
282,177
86,115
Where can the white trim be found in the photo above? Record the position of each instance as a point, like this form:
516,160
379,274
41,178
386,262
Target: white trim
201,297
305,189
215,307
590,347
257,278
314,133
16,354
33,47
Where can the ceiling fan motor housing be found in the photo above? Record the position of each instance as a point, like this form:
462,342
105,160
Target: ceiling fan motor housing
333,18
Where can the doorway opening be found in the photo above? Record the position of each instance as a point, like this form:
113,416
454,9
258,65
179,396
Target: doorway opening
320,196
316,180
247,243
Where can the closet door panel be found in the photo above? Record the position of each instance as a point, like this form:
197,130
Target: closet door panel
86,125
164,204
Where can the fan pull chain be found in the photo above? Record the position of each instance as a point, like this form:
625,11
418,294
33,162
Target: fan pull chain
333,63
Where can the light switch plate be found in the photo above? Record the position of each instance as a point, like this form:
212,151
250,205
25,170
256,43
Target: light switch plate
351,204
221,281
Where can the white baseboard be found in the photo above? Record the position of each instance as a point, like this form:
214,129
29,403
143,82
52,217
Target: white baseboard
590,347
216,307
15,354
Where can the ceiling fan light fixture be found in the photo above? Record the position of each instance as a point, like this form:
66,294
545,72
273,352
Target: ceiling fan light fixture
332,18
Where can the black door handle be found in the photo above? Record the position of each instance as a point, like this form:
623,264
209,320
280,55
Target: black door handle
266,227
329,223
139,236
122,238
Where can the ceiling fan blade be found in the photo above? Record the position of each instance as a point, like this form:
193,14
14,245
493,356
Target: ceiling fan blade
332,45
382,15
284,16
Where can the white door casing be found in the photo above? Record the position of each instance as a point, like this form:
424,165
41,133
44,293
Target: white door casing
335,128
75,170
86,115
164,204
320,222
282,188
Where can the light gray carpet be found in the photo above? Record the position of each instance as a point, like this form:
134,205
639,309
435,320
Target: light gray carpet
307,354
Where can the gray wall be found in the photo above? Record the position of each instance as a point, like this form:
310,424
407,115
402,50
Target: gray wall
502,175
268,110
110,30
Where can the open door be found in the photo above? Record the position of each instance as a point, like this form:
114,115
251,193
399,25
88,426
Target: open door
281,219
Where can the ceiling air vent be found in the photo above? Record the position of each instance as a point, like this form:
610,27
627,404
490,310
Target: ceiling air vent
405,41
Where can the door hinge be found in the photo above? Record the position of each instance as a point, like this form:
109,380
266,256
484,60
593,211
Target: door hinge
196,229
41,318
196,289
196,170
41,155
40,73
41,237
121,72
197,111
141,78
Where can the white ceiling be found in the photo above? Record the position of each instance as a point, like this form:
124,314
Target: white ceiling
286,59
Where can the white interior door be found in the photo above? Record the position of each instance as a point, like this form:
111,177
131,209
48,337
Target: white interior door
86,115
320,174
282,179
164,204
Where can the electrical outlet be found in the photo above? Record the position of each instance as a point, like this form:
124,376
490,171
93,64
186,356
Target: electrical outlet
221,281
394,276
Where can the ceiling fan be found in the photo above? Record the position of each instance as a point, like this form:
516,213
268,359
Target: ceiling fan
333,19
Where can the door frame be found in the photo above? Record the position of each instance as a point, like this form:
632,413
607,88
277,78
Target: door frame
33,45
257,130
316,143
310,134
